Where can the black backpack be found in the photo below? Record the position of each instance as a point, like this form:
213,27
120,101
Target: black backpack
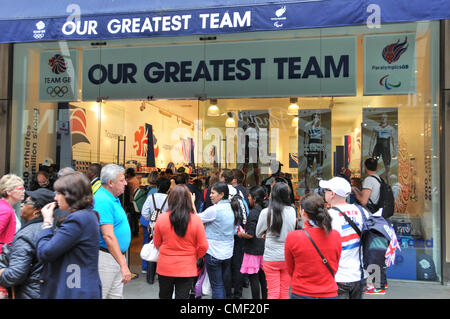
385,201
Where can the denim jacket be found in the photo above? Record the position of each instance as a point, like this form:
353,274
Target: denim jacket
219,229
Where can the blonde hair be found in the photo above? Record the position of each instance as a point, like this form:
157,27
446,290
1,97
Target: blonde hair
8,183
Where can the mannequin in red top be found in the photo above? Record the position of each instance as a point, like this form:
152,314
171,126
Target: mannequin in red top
311,278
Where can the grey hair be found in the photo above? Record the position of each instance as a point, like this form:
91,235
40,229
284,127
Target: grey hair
65,171
110,172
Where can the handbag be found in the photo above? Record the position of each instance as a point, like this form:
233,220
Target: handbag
149,252
199,283
206,286
324,260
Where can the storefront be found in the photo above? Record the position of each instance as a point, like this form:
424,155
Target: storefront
211,89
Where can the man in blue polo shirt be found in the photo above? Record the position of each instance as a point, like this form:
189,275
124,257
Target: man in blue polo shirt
115,233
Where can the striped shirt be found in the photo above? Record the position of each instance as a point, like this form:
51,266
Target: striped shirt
349,264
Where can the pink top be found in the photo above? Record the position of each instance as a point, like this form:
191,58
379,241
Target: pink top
7,223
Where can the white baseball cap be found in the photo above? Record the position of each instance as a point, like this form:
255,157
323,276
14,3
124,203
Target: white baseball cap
338,185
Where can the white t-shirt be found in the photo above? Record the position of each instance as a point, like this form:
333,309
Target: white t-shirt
374,185
349,265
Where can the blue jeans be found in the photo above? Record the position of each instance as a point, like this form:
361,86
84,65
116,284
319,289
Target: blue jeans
219,273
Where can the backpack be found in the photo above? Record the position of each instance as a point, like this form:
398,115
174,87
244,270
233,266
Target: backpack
154,216
139,197
156,211
386,200
239,203
375,236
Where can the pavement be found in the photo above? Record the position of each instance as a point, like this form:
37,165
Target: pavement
138,288
398,289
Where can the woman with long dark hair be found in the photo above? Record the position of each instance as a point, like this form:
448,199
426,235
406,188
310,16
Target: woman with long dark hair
274,223
253,246
70,254
220,221
311,278
180,236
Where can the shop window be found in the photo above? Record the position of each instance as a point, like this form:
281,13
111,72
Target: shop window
285,99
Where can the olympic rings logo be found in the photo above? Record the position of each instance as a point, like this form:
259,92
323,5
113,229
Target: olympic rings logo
57,91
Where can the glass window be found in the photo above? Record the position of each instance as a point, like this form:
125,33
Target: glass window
315,101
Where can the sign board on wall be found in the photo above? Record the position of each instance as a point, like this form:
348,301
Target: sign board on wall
390,64
58,76
305,67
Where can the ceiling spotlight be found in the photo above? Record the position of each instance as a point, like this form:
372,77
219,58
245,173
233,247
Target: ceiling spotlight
293,107
230,122
213,110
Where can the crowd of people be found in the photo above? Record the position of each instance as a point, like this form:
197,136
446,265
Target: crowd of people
72,236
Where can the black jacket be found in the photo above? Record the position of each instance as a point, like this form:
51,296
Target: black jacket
253,246
24,270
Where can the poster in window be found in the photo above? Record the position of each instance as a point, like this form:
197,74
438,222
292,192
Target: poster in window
314,148
380,140
254,125
58,76
390,64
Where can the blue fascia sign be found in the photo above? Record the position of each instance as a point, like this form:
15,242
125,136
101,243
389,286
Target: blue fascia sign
245,18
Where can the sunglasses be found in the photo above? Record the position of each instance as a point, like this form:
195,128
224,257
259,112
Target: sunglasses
29,202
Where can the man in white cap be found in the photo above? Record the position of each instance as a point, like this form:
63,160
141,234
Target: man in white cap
350,275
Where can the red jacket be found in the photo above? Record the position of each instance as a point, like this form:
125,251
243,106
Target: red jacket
178,255
7,223
310,277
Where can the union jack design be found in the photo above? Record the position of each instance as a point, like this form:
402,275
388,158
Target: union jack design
58,64
390,252
392,52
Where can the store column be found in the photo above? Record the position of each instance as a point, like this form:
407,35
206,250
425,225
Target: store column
5,103
445,160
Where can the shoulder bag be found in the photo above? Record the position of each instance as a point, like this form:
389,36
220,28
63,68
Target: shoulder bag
324,260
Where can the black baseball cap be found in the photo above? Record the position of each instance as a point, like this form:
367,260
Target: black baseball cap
42,196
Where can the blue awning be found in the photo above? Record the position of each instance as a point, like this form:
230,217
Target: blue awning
45,20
